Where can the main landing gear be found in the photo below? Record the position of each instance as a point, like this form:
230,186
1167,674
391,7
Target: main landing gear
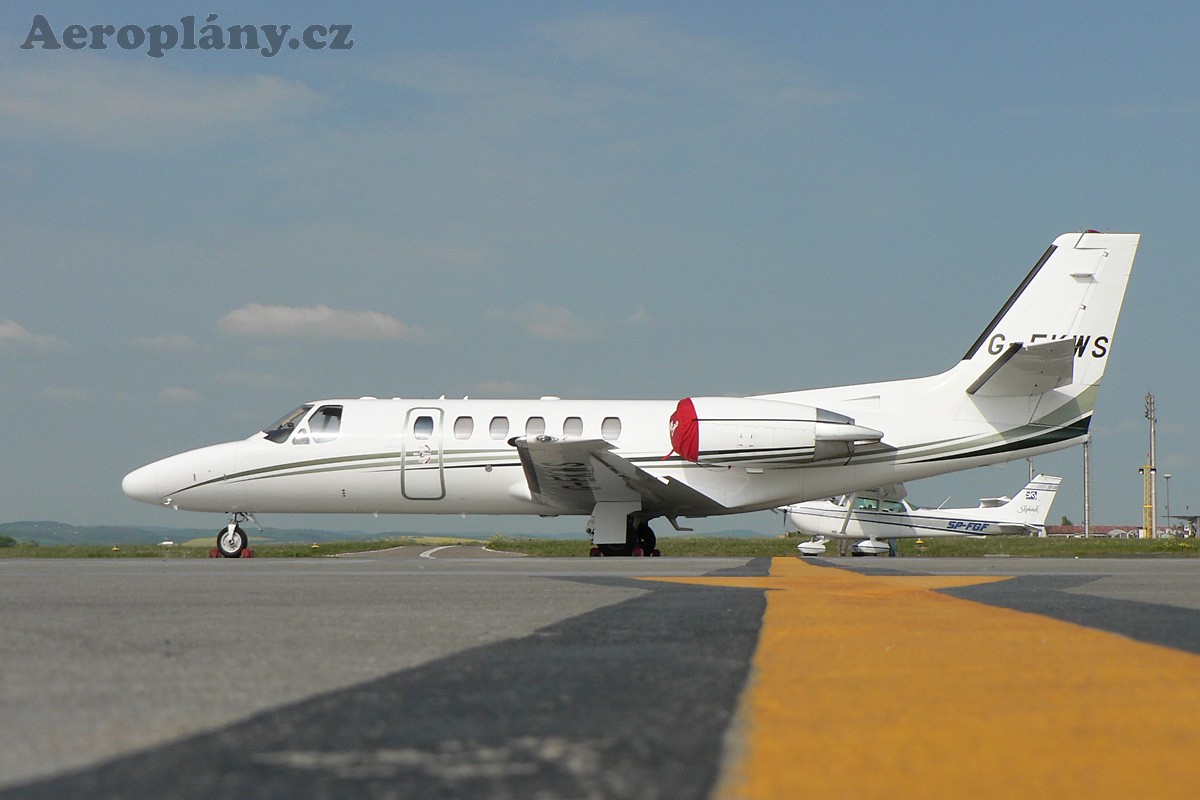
232,540
639,541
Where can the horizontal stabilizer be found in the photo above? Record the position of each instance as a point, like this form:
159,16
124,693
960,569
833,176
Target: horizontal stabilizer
1026,370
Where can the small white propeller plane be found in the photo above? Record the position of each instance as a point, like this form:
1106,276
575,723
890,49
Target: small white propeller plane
1027,385
874,519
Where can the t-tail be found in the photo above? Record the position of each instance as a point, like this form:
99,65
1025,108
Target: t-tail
1045,351
1027,385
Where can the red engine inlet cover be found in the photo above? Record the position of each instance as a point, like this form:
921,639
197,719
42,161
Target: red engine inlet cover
685,430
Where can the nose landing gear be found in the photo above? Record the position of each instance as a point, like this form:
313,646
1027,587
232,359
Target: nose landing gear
232,540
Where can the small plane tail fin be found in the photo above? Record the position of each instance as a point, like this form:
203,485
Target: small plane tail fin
1057,328
1031,506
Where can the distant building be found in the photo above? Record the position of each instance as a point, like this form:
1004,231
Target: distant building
1111,531
1114,531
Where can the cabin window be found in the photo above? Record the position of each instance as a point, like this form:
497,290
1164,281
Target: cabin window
892,507
325,423
280,431
610,428
867,503
499,428
535,426
572,426
423,427
464,427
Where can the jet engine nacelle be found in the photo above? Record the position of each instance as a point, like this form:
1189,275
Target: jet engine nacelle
748,432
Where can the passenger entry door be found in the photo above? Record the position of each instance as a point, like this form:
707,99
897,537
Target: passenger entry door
421,475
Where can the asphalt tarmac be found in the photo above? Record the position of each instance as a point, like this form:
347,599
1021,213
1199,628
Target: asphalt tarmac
452,672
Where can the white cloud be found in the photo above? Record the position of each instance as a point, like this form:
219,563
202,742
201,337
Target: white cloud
316,322
63,395
170,343
15,337
178,394
111,104
613,79
545,322
640,317
651,50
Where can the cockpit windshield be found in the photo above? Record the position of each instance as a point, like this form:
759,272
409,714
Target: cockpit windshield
281,430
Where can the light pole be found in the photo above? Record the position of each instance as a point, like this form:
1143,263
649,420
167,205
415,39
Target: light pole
1167,482
1152,483
1087,489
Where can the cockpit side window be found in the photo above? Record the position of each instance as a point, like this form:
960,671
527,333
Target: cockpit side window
281,430
325,423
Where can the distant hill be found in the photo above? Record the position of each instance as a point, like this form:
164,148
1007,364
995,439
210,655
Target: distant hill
46,532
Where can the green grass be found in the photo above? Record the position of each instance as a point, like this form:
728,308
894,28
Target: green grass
734,547
1049,547
200,548
739,547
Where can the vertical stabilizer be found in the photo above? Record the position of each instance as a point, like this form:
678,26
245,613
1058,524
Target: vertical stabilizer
1032,504
1027,385
1073,294
1040,360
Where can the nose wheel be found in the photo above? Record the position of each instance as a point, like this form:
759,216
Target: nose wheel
231,541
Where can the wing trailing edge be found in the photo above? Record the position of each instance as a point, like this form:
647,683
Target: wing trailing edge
571,476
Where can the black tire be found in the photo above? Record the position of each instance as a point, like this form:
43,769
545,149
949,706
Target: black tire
639,540
231,544
645,538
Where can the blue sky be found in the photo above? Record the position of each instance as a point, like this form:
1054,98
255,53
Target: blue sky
581,199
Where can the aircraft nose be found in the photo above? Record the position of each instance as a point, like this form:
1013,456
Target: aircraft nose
142,484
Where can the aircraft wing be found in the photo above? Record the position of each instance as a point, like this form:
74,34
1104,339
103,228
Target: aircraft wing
572,476
1013,529
893,491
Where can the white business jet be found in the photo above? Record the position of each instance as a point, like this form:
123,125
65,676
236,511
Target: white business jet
1026,386
874,519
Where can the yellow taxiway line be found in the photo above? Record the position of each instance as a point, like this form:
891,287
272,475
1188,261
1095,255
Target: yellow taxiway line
873,686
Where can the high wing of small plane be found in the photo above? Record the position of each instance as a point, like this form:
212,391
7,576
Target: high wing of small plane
875,518
1027,385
